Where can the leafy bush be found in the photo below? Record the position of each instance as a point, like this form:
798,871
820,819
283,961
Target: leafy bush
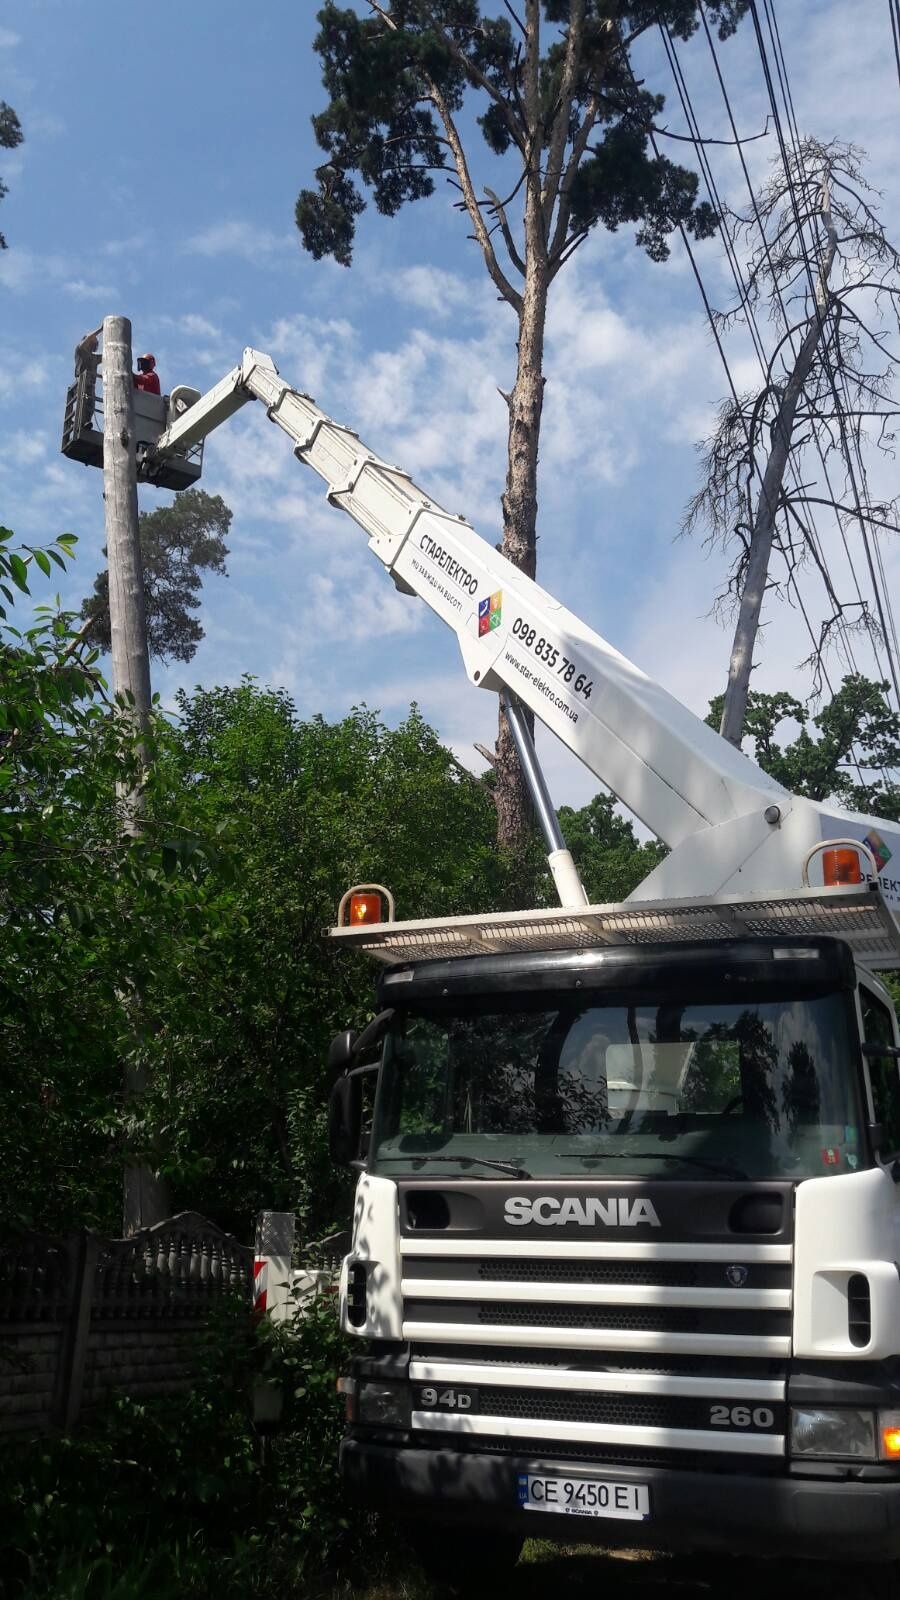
182,1493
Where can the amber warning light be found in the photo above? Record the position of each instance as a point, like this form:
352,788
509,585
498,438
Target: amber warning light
365,904
364,908
841,866
890,1440
845,863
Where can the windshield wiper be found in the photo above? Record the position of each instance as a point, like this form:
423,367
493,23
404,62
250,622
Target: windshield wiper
725,1169
508,1167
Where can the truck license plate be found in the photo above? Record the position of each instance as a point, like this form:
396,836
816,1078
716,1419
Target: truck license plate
585,1497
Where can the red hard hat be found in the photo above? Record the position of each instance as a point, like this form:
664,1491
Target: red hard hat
151,359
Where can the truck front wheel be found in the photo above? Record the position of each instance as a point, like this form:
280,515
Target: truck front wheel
463,1560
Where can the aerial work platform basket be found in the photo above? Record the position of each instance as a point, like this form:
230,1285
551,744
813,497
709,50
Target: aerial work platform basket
82,437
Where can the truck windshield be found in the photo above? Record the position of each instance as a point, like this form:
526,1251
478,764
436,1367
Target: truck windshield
758,1089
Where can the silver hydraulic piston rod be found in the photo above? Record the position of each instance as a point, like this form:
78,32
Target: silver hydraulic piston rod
569,886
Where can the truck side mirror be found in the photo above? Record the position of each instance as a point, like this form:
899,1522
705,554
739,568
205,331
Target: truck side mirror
345,1119
340,1052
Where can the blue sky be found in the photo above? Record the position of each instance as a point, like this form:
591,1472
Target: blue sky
164,151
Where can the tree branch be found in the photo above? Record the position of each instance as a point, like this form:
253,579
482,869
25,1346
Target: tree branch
847,511
519,24
560,126
579,146
499,212
532,67
685,138
482,234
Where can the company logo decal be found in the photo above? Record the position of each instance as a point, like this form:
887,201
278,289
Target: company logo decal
737,1276
879,849
549,1212
446,560
489,612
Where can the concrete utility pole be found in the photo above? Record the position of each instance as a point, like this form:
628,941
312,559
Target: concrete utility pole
145,1197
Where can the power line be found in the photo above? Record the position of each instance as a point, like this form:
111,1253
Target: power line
811,533
808,526
789,336
841,419
730,380
850,442
894,11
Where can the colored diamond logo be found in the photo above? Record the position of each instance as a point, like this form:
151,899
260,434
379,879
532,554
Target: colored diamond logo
490,610
737,1276
879,849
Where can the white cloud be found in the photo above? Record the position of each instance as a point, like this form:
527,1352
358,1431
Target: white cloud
20,373
311,349
18,270
431,289
132,245
8,39
242,239
198,327
80,289
24,271
21,449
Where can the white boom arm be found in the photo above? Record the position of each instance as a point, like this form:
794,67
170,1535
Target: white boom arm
730,827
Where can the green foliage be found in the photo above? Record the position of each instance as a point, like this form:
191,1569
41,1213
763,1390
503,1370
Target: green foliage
606,850
186,1495
380,130
89,916
305,808
11,135
178,544
855,758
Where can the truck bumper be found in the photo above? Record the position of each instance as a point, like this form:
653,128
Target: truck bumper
689,1511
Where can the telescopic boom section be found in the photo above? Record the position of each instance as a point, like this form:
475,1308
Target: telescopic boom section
716,810
667,766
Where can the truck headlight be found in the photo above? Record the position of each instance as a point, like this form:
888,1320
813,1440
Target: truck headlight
838,1432
384,1405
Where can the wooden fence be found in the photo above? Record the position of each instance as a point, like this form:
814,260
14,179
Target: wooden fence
84,1316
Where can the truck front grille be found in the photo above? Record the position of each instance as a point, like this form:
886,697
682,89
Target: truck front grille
652,1319
666,1411
612,1359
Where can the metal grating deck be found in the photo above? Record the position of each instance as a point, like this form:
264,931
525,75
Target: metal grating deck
859,916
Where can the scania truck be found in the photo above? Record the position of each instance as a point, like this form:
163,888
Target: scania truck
625,1248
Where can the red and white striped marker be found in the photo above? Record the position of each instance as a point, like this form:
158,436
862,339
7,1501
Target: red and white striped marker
273,1265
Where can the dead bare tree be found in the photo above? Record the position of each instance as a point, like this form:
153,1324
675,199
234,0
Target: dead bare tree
819,265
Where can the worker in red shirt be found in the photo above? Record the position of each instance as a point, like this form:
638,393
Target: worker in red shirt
146,378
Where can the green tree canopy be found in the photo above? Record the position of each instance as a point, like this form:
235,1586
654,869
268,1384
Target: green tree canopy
856,758
390,75
179,543
89,915
606,849
308,808
11,135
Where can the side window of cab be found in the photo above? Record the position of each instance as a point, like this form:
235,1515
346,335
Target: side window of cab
883,1070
